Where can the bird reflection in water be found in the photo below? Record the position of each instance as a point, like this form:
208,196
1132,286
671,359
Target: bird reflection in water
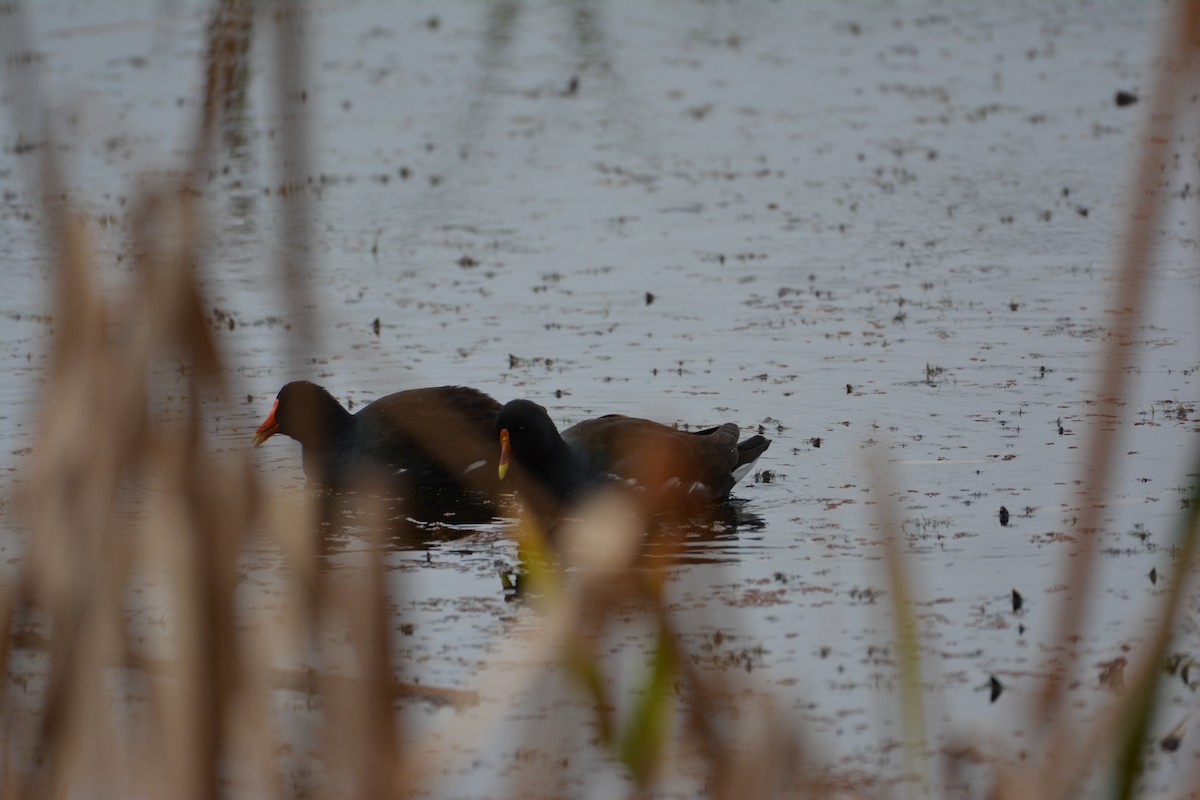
420,518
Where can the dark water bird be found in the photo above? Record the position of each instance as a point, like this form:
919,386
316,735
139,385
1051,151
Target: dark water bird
442,436
672,468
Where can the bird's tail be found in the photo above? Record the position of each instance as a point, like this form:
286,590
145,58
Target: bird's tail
748,452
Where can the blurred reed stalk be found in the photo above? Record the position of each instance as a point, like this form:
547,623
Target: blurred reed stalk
907,641
1065,764
207,715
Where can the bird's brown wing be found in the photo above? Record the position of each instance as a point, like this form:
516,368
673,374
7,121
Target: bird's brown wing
656,455
451,428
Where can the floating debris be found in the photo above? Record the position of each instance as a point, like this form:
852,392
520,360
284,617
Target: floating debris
1124,98
1172,740
522,362
1112,674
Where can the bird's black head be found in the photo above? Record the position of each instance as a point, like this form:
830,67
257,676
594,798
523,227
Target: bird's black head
527,435
304,411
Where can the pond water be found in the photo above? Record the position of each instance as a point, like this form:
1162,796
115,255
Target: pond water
884,232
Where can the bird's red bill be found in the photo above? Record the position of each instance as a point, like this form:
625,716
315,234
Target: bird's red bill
505,453
269,427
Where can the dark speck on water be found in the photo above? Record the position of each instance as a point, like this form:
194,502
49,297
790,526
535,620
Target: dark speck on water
1003,515
1124,98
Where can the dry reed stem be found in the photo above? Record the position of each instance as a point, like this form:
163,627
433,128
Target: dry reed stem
295,252
907,641
78,567
1065,763
1170,82
1061,778
361,733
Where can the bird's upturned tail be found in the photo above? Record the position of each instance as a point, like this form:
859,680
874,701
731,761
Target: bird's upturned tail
748,452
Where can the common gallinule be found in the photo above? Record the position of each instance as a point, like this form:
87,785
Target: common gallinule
421,437
673,468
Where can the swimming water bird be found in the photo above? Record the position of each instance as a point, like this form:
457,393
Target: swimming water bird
440,436
672,468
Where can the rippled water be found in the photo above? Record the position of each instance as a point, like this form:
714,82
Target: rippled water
883,232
